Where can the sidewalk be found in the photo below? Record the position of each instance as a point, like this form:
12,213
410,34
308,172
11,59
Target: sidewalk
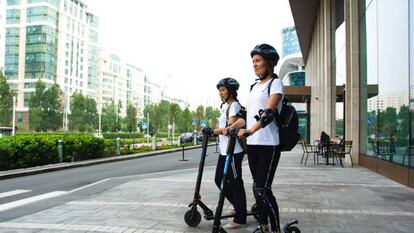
322,198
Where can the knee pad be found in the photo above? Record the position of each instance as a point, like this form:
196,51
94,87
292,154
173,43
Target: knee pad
261,194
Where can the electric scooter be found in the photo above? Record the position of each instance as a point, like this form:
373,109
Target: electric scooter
229,158
193,217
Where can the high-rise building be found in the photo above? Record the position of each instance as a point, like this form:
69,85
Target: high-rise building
290,42
47,40
291,64
135,88
112,82
2,32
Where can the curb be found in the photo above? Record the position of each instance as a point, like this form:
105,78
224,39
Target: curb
67,165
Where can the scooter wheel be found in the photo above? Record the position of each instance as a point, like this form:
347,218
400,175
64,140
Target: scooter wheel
192,218
292,229
254,210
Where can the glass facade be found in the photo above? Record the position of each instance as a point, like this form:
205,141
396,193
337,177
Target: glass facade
13,16
11,67
54,3
40,52
42,14
297,78
290,41
385,80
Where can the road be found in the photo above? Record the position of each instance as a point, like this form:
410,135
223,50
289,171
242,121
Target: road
25,195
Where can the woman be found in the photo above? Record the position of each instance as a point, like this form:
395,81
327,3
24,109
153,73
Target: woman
234,188
263,138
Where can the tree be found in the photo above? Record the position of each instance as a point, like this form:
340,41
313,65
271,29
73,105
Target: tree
109,117
131,118
164,109
83,115
52,108
45,107
35,108
199,114
6,102
185,122
211,116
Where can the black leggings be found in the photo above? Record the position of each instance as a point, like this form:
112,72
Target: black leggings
234,188
263,161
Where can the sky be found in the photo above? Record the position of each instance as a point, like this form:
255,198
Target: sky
189,45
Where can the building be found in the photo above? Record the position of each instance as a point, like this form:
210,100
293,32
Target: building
291,63
152,91
47,40
290,42
112,82
387,100
135,88
378,59
292,73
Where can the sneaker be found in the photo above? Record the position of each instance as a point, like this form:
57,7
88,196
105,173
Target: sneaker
233,225
230,212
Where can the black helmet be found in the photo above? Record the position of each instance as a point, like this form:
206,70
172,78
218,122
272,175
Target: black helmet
266,51
229,83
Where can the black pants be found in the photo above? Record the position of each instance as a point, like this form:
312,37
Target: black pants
263,161
234,187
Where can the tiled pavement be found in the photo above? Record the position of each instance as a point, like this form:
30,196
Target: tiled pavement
323,199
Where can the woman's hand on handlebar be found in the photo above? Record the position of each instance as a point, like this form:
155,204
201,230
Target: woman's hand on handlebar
243,133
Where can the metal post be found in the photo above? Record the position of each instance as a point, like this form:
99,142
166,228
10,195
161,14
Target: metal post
173,129
195,137
60,150
118,151
154,145
216,143
148,126
183,159
14,116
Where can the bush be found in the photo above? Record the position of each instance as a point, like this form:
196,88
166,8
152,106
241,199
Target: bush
24,151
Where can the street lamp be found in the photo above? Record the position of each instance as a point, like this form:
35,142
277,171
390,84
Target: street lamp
14,116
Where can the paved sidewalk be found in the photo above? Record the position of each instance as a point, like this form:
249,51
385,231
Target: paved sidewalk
323,199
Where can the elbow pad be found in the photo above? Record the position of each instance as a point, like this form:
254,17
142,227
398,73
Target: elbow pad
241,114
266,117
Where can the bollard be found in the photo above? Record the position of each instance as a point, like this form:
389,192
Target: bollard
183,155
118,151
217,145
60,150
195,137
154,143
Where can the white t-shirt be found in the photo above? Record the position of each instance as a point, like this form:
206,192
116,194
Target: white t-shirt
234,109
257,100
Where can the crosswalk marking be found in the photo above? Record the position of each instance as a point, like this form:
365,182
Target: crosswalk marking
14,192
26,201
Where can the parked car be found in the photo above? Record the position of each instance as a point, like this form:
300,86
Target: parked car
186,137
200,137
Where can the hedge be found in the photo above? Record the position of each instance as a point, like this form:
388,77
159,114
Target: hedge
36,150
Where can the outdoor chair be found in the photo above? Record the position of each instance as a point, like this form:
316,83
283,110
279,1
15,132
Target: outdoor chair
307,149
341,150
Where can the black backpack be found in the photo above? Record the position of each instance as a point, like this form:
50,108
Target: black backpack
287,121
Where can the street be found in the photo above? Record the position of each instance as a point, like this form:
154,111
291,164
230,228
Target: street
37,189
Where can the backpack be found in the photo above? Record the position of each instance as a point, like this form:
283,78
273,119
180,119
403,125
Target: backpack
242,142
287,121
